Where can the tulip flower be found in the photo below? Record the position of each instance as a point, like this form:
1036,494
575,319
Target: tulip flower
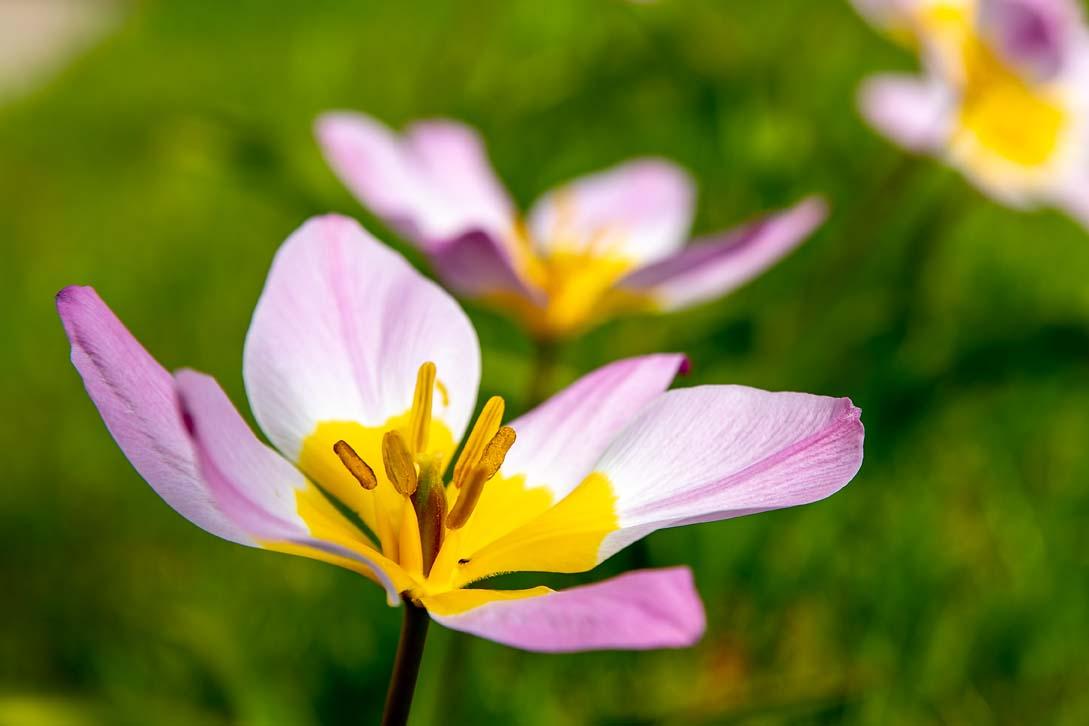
609,243
363,375
1004,96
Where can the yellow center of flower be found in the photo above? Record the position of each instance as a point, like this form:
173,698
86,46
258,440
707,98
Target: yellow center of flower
574,275
392,475
382,494
1003,118
1004,114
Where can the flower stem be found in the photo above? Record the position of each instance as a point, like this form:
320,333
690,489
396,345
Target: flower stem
406,666
545,353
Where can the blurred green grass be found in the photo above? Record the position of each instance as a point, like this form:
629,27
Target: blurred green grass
948,584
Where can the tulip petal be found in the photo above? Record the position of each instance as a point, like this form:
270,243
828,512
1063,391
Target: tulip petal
135,396
635,611
915,113
340,331
1036,36
710,269
433,184
267,496
477,265
716,452
692,455
639,211
560,441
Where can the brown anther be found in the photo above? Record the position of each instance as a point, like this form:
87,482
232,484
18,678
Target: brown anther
400,468
467,498
496,450
355,465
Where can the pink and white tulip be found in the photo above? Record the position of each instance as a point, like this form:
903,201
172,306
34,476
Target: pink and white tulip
363,375
1004,96
602,245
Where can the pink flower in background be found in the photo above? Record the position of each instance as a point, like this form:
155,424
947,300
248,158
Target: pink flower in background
1004,95
601,245
364,376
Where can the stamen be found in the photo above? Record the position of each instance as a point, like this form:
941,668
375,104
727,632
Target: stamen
398,462
496,450
355,465
420,419
483,431
467,499
411,557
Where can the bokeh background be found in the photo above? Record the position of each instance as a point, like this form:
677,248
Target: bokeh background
948,584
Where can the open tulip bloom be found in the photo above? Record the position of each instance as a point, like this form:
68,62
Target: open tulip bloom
602,245
363,374
1004,97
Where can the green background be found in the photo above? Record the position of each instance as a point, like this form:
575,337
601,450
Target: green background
947,584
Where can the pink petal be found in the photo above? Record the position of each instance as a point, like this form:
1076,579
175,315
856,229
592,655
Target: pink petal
715,452
915,113
1036,36
252,484
339,333
560,440
635,611
433,184
135,396
640,210
476,265
710,269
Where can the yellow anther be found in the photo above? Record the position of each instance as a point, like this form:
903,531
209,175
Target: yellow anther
483,431
496,450
420,418
355,465
398,462
411,555
467,498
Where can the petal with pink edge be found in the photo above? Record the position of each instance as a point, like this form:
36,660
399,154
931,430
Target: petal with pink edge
692,455
712,268
268,497
135,396
340,331
716,452
915,113
635,611
432,184
639,211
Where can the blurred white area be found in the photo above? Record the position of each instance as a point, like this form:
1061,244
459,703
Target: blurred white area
38,37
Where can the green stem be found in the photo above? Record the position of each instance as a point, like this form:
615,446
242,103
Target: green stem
406,666
544,367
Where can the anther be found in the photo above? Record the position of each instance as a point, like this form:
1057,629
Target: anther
496,450
484,430
467,498
420,419
398,463
355,465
